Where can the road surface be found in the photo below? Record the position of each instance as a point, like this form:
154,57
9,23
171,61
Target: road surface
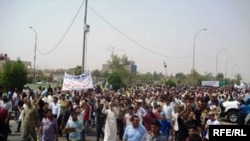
91,137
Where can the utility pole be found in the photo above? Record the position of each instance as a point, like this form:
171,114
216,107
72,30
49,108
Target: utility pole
85,31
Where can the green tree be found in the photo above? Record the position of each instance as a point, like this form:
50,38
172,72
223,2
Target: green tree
78,70
170,83
180,76
96,74
14,75
220,76
147,78
115,80
156,76
238,78
119,65
40,76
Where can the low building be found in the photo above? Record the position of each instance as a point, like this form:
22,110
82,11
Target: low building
4,58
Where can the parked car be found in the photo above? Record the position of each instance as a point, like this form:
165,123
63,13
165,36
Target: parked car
229,110
42,83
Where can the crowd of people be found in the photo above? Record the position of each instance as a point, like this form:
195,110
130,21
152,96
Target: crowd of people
140,113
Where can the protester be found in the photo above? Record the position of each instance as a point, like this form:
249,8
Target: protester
48,130
110,130
5,114
165,125
134,132
154,134
75,128
211,121
30,120
100,121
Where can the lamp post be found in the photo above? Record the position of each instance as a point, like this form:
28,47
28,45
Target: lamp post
227,64
165,66
233,70
216,72
34,73
204,29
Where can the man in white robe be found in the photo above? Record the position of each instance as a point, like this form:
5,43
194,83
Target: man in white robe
110,129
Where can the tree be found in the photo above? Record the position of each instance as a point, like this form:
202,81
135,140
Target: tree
156,76
147,78
220,76
96,74
238,77
180,76
14,75
115,80
119,65
170,83
78,70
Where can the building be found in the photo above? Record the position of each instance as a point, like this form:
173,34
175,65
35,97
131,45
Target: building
4,58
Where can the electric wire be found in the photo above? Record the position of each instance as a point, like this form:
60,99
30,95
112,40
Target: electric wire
132,40
65,33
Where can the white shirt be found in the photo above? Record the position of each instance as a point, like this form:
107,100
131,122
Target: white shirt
210,122
6,105
140,115
168,109
127,119
142,111
56,109
176,126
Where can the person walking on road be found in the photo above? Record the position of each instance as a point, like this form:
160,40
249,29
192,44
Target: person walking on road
110,130
30,120
134,132
154,134
48,129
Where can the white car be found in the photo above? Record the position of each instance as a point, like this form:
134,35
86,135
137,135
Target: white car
42,83
229,109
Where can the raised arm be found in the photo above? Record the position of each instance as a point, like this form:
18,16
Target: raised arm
104,109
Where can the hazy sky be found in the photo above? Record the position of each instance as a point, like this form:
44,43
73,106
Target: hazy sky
167,27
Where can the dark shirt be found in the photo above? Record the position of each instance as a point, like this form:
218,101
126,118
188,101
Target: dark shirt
20,103
191,123
198,117
147,120
244,109
41,104
183,130
50,89
100,116
67,115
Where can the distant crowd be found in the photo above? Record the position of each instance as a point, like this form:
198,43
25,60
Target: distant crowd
140,113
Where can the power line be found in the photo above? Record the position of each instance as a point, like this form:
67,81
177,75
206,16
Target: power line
132,40
65,33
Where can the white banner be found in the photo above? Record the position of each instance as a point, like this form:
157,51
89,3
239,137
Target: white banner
210,83
241,86
79,82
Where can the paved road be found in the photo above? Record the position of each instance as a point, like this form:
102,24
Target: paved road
17,136
91,137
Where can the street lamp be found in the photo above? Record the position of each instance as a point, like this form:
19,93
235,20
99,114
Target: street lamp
204,29
227,64
233,69
217,62
165,66
34,73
